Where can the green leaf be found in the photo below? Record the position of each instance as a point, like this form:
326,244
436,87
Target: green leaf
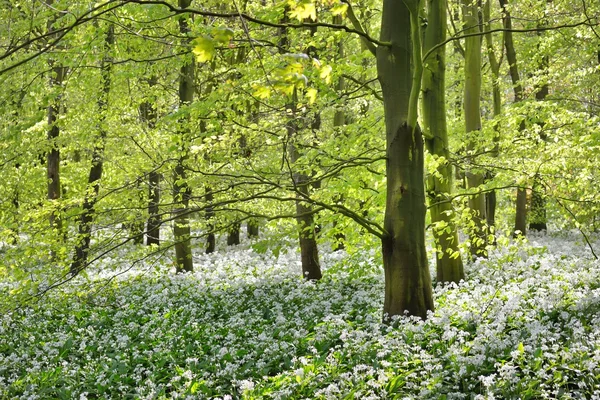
340,9
311,95
204,48
303,10
222,34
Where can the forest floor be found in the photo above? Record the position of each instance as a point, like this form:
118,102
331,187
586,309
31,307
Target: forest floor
524,324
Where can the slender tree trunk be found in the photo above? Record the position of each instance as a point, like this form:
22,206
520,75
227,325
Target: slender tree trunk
211,240
137,226
478,234
57,76
309,253
252,226
511,57
539,218
490,197
448,260
181,190
149,116
87,215
233,238
154,220
407,278
339,120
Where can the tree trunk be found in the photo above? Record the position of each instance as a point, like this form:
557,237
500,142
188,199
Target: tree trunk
407,278
233,237
511,57
539,218
478,234
490,197
57,76
87,215
252,228
211,240
181,190
309,253
339,120
448,260
149,116
154,220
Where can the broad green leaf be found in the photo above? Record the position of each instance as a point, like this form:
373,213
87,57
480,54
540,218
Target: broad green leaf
303,10
326,73
262,92
340,9
204,49
311,95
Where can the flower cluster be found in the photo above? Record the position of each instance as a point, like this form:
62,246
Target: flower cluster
245,325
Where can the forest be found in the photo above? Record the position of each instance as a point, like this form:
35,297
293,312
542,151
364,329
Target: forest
300,199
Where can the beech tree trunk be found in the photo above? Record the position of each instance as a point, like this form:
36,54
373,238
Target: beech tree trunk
149,116
478,232
252,226
181,190
57,76
87,215
448,260
154,219
490,197
309,252
339,120
511,57
407,279
538,216
233,237
209,214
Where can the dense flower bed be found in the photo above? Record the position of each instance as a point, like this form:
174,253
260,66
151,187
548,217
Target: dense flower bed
525,324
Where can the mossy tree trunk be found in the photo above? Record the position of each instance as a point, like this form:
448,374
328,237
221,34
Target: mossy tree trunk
448,260
407,279
475,178
181,190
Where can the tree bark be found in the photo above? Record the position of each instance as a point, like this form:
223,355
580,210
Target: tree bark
490,197
154,220
511,57
309,252
87,216
211,240
407,279
339,120
478,234
538,216
148,115
57,75
181,190
233,237
448,260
